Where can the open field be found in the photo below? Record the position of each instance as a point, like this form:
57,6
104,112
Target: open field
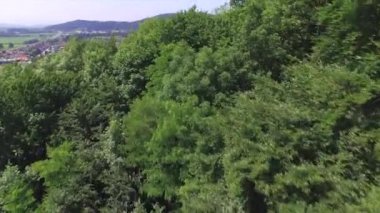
19,40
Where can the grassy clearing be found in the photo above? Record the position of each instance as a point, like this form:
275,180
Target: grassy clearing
18,41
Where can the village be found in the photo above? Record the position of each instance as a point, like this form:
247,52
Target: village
29,52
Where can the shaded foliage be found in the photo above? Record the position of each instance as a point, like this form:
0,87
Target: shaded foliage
265,106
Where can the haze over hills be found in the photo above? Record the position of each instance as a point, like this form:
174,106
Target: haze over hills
5,26
87,25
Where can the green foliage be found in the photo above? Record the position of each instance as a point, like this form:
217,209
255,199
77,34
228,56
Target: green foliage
71,58
16,193
87,116
237,3
165,147
368,204
278,33
82,177
180,73
135,54
200,196
97,58
193,27
173,142
265,106
31,105
291,143
61,177
351,29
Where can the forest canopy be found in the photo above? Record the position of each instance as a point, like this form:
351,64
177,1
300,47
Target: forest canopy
265,106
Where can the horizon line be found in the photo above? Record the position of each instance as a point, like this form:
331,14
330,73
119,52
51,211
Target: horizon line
16,25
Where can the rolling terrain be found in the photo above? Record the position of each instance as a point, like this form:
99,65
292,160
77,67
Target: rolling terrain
86,25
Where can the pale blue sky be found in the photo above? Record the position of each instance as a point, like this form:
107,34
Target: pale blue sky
42,12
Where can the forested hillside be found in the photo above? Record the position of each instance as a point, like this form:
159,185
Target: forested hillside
267,106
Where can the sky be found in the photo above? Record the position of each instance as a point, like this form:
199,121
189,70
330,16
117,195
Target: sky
45,12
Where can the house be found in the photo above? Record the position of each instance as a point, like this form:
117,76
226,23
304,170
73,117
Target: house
22,58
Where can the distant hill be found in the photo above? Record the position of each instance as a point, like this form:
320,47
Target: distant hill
100,25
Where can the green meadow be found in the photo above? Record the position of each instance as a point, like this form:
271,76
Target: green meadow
19,40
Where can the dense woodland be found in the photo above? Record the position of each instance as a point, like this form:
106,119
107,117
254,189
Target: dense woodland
266,106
